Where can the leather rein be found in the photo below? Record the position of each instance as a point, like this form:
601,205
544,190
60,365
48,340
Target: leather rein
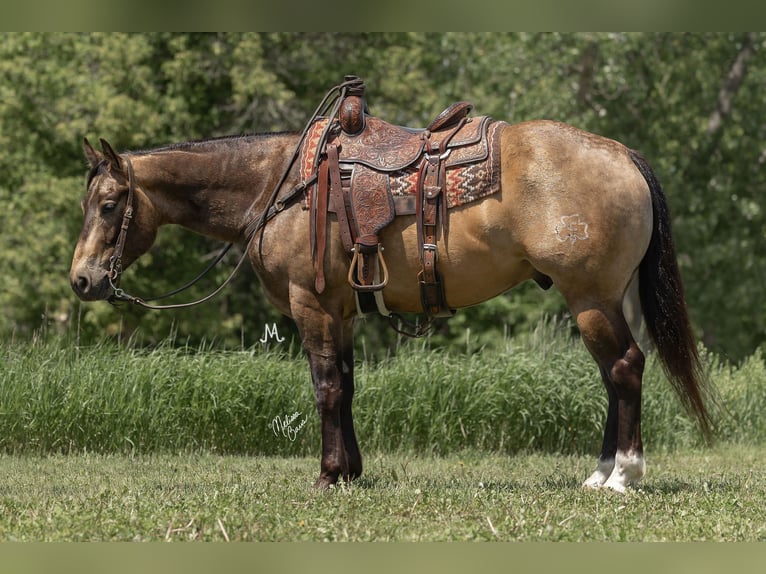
115,261
273,207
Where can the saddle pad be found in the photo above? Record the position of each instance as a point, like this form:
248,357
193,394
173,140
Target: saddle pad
308,154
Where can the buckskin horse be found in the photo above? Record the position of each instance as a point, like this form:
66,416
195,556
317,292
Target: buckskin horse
317,210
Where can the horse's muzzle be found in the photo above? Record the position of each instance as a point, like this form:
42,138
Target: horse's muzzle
90,284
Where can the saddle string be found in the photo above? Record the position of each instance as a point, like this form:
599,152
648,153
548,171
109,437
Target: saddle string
273,206
331,102
416,330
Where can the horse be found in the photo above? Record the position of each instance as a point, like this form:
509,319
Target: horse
575,210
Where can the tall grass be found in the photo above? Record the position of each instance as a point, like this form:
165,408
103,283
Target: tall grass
542,393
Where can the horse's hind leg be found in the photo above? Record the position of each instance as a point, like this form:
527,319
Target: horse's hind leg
609,444
607,336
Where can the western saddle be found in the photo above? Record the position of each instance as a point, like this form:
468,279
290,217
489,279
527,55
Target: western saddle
357,160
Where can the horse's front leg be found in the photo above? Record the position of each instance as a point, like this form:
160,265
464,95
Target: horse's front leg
328,341
333,391
328,394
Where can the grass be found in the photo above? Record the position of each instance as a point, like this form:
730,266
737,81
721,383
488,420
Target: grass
542,394
716,495
118,443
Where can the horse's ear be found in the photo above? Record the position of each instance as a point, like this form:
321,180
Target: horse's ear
94,158
111,156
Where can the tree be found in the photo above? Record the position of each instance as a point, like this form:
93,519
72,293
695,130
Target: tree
690,102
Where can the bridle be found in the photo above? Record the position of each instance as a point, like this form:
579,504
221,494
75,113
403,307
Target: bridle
274,205
115,261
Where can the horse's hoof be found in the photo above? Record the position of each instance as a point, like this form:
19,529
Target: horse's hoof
325,482
600,475
615,486
591,484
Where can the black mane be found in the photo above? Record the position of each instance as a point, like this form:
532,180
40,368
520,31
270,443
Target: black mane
193,145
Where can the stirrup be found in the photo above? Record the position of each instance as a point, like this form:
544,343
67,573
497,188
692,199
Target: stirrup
354,265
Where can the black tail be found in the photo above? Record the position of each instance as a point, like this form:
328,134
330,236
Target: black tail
664,308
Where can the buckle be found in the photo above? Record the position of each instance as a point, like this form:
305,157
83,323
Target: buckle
441,157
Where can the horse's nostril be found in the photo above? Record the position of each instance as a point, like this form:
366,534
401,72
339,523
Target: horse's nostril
82,284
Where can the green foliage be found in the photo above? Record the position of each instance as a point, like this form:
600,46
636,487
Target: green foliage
671,95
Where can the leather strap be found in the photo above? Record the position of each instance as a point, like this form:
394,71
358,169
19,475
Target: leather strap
431,218
337,202
430,282
115,261
319,218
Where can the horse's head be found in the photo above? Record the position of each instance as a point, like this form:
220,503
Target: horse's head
117,225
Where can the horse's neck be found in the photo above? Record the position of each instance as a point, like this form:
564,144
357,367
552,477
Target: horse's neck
212,190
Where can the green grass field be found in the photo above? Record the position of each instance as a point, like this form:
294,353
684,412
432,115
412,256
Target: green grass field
118,443
714,495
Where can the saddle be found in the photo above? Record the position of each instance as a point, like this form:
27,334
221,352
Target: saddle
369,171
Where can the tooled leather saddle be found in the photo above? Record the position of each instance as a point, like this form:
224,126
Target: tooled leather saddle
369,171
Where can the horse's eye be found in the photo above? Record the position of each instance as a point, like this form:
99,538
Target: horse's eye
108,207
